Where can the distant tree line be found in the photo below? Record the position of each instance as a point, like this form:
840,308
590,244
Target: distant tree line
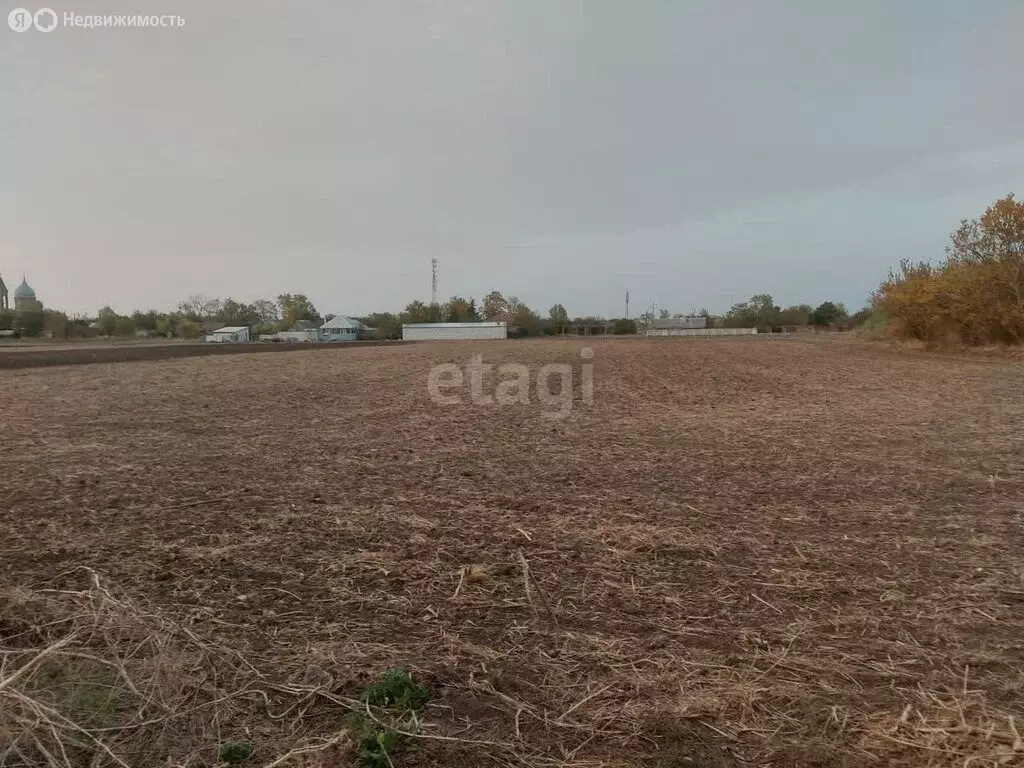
187,321
974,296
198,313
760,312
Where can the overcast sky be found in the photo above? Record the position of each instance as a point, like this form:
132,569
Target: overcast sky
558,150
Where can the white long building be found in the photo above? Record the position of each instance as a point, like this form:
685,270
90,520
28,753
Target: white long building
229,333
453,331
703,332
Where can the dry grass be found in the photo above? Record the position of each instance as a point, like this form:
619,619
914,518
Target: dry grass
764,552
88,678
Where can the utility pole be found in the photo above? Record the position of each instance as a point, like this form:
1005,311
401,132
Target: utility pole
433,282
627,303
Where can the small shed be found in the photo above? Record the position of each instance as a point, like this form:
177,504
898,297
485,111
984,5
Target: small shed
341,328
229,333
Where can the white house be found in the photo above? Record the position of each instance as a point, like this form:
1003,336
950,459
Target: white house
341,328
451,331
230,333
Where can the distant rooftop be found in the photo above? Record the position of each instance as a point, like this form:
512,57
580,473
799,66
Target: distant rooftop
24,291
342,323
673,323
457,325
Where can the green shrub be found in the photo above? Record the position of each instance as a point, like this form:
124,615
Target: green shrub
376,745
396,690
396,697
235,752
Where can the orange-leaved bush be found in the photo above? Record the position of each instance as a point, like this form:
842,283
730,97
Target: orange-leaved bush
975,296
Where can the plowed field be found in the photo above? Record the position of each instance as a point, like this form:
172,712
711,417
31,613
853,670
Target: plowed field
743,551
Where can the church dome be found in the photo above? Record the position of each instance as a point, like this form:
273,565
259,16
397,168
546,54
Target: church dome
24,291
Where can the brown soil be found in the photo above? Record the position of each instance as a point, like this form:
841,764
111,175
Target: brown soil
745,551
37,354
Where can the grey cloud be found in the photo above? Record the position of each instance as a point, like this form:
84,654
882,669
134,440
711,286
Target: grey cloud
695,151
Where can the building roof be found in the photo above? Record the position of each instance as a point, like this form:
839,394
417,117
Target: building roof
489,324
342,323
231,329
666,324
24,291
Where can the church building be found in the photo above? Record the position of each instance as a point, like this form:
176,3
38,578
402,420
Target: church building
25,299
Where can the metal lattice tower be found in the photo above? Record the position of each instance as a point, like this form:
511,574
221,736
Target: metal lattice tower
433,281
